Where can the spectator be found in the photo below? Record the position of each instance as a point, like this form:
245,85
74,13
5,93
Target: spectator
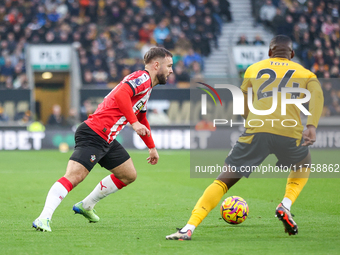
225,10
171,82
201,44
88,78
181,74
303,26
50,37
64,38
157,117
279,22
287,28
12,44
161,32
53,16
72,119
196,72
3,115
334,72
176,56
211,28
191,57
114,78
20,82
267,13
9,82
242,40
56,118
111,57
100,77
176,27
327,27
7,70
169,43
183,43
258,41
23,118
145,33
86,110
187,8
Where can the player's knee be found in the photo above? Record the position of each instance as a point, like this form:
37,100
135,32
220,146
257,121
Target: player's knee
74,179
128,178
132,177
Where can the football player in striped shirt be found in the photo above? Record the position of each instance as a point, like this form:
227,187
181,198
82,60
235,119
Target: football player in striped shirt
96,139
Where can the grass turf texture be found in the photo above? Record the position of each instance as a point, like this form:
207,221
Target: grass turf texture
136,219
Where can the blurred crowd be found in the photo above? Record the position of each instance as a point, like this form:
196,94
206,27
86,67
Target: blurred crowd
111,36
314,27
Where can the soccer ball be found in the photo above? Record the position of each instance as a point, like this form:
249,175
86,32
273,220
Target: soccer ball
234,210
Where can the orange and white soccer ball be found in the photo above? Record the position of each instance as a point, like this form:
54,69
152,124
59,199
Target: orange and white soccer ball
234,210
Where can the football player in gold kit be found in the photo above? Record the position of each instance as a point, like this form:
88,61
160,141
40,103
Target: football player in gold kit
289,144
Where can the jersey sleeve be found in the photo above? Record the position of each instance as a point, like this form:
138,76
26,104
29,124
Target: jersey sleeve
148,140
123,100
246,81
139,84
316,102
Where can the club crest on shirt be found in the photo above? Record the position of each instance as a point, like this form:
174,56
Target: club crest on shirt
93,158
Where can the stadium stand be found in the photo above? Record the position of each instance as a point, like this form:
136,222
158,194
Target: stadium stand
314,28
110,35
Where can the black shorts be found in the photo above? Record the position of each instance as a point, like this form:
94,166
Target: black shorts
251,149
91,149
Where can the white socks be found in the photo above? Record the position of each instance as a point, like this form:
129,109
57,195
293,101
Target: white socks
286,202
53,199
187,227
103,189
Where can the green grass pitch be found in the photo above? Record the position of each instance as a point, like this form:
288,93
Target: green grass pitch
136,219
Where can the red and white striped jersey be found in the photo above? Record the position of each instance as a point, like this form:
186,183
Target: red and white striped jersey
108,120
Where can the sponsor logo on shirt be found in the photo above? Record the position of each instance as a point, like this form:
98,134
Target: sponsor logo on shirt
140,105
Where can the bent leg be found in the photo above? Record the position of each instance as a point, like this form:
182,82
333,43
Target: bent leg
121,176
75,172
211,197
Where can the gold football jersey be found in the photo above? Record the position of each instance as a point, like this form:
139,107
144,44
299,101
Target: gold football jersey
280,73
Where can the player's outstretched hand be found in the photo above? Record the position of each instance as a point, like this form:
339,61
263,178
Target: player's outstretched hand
153,158
309,135
140,129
